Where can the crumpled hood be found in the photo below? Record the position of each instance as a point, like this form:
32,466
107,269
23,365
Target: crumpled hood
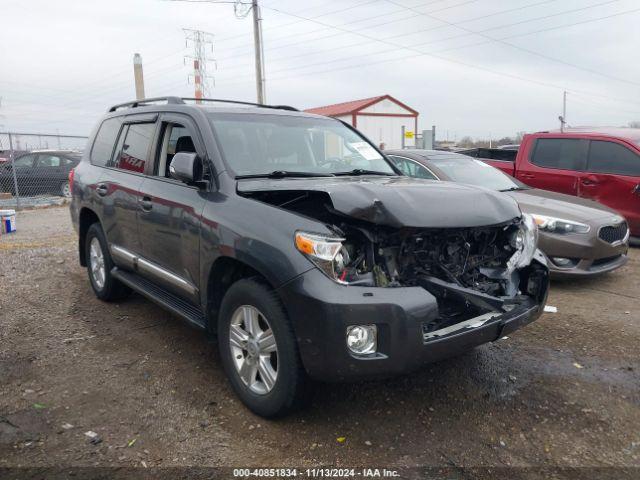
400,201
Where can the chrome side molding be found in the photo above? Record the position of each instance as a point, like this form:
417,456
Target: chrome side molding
138,264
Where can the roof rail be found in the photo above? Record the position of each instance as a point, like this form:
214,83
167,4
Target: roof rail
238,102
145,101
180,101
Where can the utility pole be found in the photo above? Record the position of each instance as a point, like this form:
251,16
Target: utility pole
138,76
259,52
200,41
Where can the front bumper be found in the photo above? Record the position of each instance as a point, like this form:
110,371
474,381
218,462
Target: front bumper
321,310
590,254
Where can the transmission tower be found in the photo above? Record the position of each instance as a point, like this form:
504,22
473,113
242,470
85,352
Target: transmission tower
202,43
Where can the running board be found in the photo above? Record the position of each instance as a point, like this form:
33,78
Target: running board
168,300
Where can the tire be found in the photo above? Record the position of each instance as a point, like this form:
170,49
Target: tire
65,190
289,389
104,285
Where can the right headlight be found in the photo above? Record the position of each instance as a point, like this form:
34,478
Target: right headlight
559,225
525,242
326,252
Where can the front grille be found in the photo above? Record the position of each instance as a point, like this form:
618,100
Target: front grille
613,233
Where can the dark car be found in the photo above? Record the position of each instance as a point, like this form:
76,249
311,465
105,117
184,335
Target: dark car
579,236
39,172
293,239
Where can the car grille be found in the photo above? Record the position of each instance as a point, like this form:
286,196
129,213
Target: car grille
613,233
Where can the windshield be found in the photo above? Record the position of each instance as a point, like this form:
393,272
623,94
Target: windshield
463,169
262,144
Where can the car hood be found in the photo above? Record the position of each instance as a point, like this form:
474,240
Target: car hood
399,201
563,206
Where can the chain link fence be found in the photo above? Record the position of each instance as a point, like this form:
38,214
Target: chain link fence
34,168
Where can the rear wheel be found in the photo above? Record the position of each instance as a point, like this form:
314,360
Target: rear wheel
99,265
65,190
259,351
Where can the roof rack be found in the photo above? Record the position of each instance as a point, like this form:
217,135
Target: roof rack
146,101
238,102
181,101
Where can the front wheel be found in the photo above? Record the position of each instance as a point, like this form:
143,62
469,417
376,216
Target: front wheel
259,351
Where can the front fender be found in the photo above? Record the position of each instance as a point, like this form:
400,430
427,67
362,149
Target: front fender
256,234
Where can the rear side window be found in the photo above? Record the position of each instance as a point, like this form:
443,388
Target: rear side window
411,168
610,157
24,161
49,161
105,139
134,152
563,153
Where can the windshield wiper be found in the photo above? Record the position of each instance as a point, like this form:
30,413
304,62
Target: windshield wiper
362,171
512,189
285,173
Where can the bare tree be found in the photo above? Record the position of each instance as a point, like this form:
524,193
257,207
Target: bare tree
466,142
634,124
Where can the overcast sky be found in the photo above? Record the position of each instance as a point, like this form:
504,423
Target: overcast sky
474,67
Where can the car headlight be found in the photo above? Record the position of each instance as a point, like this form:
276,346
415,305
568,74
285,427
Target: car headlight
525,242
326,252
558,225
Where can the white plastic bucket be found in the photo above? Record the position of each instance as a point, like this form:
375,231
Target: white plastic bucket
8,219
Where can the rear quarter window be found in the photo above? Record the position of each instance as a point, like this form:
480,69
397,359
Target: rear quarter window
610,157
134,152
562,153
104,142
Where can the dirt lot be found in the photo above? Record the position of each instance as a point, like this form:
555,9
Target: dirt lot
564,391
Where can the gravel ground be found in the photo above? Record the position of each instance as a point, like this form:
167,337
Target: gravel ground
563,392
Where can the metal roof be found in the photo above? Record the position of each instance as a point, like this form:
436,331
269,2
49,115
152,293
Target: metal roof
354,106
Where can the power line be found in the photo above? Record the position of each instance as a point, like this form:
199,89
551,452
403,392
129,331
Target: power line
420,44
385,14
343,47
517,47
457,62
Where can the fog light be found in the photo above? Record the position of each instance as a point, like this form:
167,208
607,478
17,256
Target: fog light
563,262
362,339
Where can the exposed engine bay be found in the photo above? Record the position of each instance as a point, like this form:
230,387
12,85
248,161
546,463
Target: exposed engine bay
466,257
471,271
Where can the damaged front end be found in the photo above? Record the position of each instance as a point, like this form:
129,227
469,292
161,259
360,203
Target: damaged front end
475,273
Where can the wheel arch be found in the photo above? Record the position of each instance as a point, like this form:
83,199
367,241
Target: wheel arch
87,218
224,272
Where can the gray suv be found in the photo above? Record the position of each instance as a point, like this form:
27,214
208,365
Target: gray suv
292,239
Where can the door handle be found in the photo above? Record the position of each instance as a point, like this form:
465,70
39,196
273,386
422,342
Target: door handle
636,189
587,182
102,189
527,175
146,203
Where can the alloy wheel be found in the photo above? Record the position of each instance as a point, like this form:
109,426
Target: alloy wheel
66,190
96,263
254,350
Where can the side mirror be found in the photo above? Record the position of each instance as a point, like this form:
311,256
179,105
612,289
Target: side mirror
186,167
